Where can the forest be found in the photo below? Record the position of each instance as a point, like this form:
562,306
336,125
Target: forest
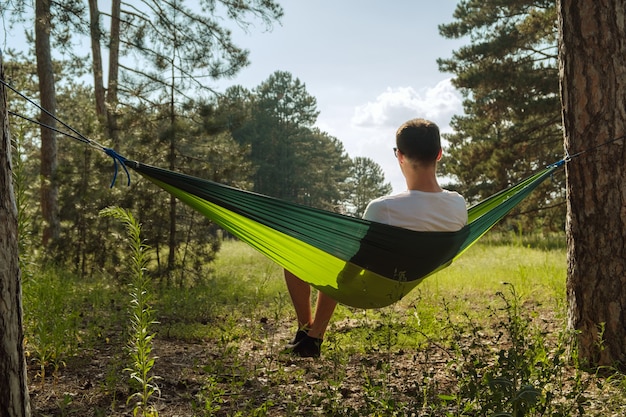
158,111
136,304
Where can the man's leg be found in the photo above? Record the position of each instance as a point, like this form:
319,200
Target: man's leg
308,344
300,293
323,312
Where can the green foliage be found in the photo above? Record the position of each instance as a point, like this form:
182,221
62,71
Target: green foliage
209,398
66,316
186,239
141,317
366,182
182,45
542,241
80,247
173,62
263,141
450,348
23,200
328,166
511,369
68,16
81,193
512,115
51,319
19,71
292,160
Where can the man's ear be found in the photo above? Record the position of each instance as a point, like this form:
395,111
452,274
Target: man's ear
439,154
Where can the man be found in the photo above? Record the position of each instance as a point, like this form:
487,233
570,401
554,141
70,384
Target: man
424,206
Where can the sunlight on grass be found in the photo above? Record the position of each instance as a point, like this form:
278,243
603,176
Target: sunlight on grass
242,287
475,277
480,272
246,270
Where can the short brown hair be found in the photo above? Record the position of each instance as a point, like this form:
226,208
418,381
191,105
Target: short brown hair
419,140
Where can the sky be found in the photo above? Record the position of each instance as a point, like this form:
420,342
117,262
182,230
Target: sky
371,65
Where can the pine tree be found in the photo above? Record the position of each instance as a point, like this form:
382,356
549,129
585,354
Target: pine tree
14,397
292,159
512,122
593,70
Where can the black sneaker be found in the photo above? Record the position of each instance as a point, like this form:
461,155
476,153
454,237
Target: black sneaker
308,347
300,334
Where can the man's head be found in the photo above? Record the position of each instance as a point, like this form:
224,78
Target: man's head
419,141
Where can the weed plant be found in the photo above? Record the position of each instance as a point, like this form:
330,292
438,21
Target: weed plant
141,317
65,316
511,369
23,199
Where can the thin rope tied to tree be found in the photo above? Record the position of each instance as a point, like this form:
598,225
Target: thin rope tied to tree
118,160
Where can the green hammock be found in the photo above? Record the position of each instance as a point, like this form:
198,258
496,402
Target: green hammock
357,262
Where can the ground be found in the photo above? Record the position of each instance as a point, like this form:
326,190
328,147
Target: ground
250,376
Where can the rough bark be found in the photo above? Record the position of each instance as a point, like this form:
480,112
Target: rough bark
593,87
14,398
47,97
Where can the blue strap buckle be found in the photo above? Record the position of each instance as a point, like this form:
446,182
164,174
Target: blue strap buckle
117,159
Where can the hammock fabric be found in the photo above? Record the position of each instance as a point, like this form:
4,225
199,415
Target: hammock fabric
359,263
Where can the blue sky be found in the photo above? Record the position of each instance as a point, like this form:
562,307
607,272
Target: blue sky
371,64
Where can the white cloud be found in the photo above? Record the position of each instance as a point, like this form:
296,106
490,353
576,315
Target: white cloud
397,105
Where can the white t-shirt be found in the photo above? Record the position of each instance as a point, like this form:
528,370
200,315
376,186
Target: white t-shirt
421,211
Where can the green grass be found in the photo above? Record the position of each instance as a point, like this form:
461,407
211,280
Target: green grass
243,286
538,275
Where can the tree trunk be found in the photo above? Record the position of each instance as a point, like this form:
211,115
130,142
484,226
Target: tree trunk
49,187
96,53
171,260
114,65
592,71
14,399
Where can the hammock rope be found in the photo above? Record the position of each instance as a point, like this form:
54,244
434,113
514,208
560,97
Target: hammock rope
358,262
